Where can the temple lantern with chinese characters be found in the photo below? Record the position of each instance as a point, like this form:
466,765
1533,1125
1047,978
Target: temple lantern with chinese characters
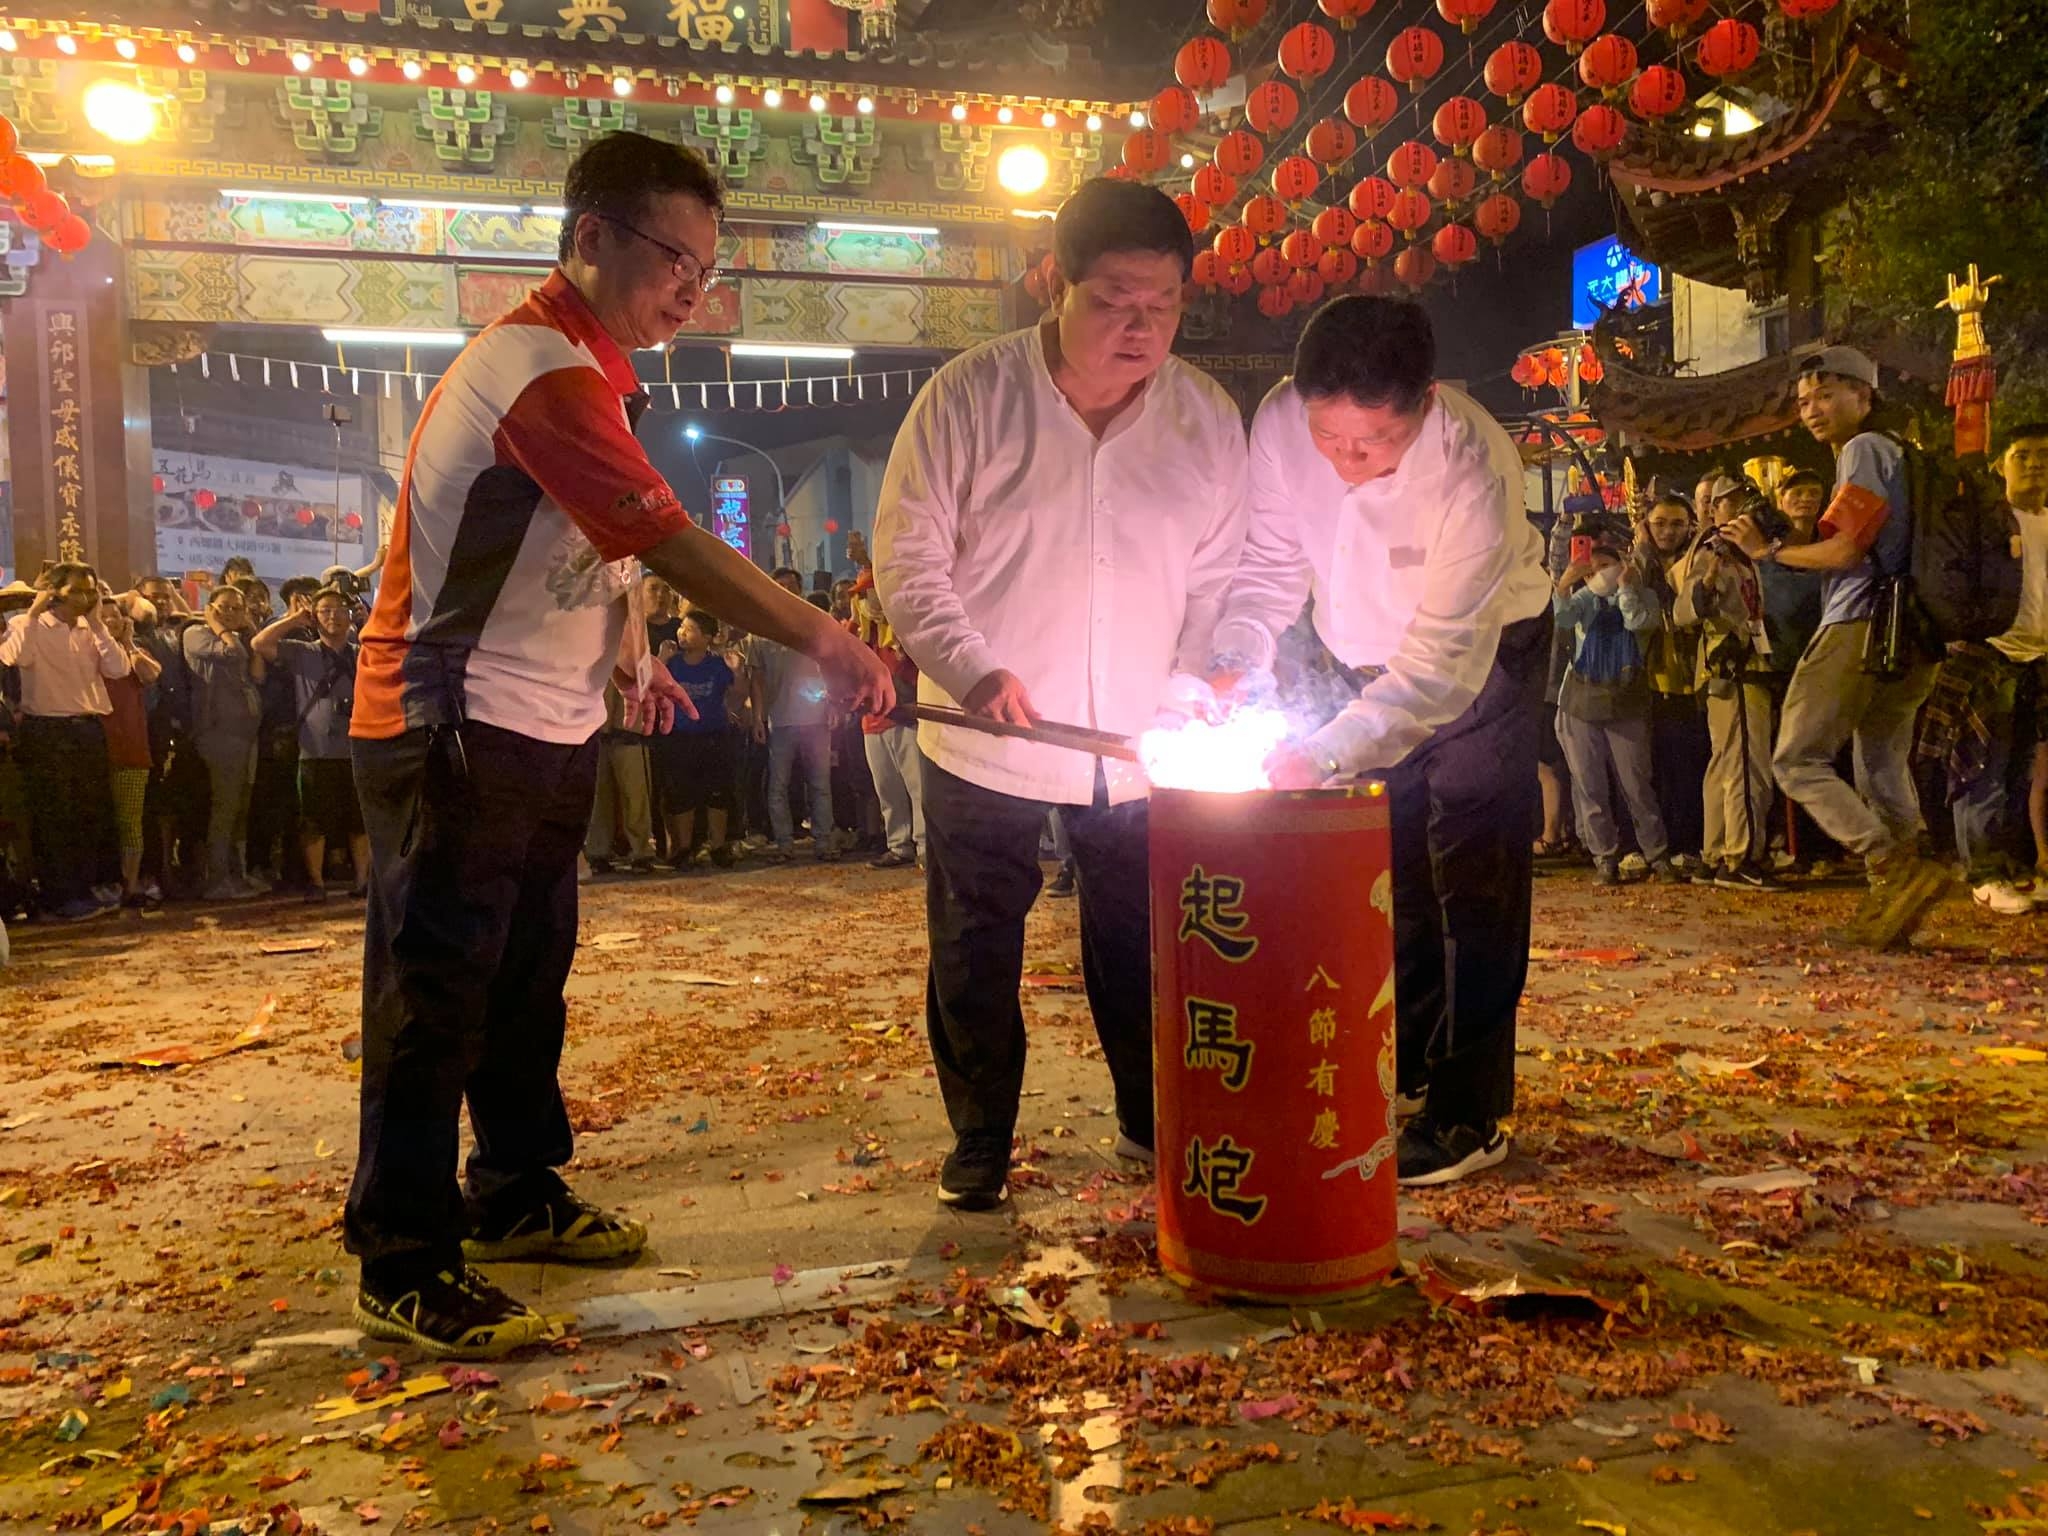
1372,241
1658,92
1335,226
44,211
1208,269
1453,181
20,178
1454,245
1337,266
1547,178
1372,198
1270,268
1236,17
1457,123
1236,281
71,235
1608,63
1513,70
1239,153
1574,23
1414,57
1371,103
1550,110
1677,16
1295,178
1411,164
1415,267
1214,186
1728,47
1234,245
1273,107
1411,211
1378,280
1465,15
1202,64
1147,151
1307,52
1498,150
1273,1033
1301,249
1194,210
1599,130
1265,217
1497,217
1305,286
1331,141
1346,13
1275,302
1174,110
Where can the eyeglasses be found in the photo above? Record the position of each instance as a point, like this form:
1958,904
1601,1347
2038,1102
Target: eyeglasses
688,270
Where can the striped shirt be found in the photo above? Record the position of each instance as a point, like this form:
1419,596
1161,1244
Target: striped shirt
525,500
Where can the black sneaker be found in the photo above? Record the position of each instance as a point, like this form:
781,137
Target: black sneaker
562,1226
1443,1154
1062,883
977,1172
1606,871
453,1316
1746,877
893,860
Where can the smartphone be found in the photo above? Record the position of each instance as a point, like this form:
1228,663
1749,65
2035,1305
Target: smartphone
1582,548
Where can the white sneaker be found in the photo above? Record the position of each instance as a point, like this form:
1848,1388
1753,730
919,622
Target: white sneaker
2003,897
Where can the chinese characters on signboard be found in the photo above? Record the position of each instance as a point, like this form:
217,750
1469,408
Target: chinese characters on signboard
713,23
64,364
729,512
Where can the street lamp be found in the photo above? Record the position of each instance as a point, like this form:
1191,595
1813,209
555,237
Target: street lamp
695,434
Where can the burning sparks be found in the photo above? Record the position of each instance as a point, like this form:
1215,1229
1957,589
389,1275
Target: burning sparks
1225,756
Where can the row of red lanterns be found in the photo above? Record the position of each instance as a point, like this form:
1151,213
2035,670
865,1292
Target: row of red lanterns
252,509
1552,366
47,212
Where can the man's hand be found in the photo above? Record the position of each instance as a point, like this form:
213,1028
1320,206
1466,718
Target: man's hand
652,703
1291,766
1189,697
854,673
1630,575
44,597
1001,696
1744,534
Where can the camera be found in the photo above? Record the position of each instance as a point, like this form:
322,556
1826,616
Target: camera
1753,504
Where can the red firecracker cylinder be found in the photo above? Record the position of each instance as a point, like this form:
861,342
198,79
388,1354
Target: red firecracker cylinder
1273,1030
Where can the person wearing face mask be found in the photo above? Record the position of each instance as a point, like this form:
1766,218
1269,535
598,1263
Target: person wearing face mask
1396,501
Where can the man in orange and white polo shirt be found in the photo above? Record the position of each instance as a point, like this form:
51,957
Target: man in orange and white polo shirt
526,506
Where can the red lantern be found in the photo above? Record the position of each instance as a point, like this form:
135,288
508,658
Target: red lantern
1411,164
1574,23
1498,217
1301,249
1513,70
1465,15
1608,63
1591,370
1147,151
1202,64
1728,47
1234,245
1806,10
1547,178
1676,16
1527,372
1372,240
1599,130
71,235
1415,266
352,521
1270,267
831,525
1122,172
1453,181
1305,287
9,139
1337,267
1549,111
1454,245
1410,212
44,211
1498,150
1265,217
1236,281
1207,269
1295,177
1372,198
1174,110
1334,226
1275,302
1272,108
1658,92
1371,103
1194,210
782,530
1307,52
1458,122
1331,142
20,178
204,499
1414,56
1377,281
1215,186
156,484
1236,17
1346,13
1239,154
304,516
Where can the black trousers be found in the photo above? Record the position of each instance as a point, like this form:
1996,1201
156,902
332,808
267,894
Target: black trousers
472,927
981,851
70,802
1462,804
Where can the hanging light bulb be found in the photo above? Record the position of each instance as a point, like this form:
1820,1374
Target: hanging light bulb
66,43
410,69
771,98
865,105
125,46
959,111
724,95
358,65
1095,122
464,75
301,60
817,102
622,85
1137,119
187,54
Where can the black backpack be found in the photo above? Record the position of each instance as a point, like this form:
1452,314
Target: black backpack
1966,565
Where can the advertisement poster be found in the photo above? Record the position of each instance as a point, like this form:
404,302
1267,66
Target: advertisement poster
729,512
1608,275
282,518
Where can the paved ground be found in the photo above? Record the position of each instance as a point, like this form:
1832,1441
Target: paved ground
812,1344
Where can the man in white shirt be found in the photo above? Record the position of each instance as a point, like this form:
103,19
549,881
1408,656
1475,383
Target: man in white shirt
1396,502
65,655
1058,524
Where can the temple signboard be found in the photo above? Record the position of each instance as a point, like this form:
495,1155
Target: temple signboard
794,26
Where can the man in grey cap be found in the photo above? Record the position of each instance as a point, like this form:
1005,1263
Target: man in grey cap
1843,688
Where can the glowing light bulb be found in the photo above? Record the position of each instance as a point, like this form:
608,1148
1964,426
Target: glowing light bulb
1004,115
187,54
1187,162
771,98
724,95
959,111
302,60
517,79
1022,169
1095,122
358,65
66,43
865,105
817,102
118,111
1048,119
1137,119
622,85
125,46
410,69
464,75
8,42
